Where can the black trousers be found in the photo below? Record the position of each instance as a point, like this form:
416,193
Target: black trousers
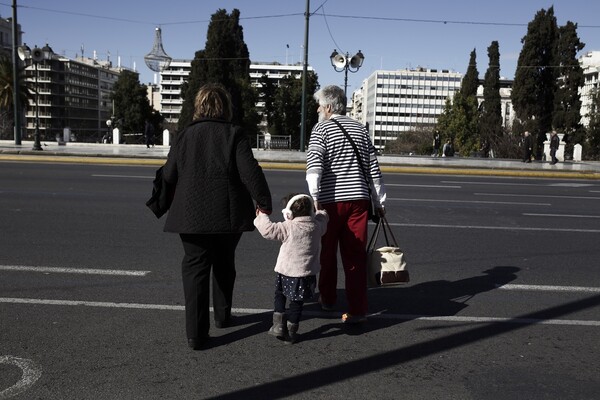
203,253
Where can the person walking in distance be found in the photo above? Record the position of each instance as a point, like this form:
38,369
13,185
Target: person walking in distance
298,260
149,134
554,144
216,179
527,147
437,142
337,182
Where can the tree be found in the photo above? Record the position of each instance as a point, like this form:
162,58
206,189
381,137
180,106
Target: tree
225,59
490,120
535,79
591,147
567,102
287,103
470,81
458,121
7,94
132,107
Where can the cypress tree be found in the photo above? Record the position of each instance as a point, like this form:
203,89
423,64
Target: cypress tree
567,102
470,81
132,107
225,59
535,80
490,123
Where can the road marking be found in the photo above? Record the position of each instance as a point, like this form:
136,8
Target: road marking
58,270
550,288
561,215
491,183
323,314
496,228
468,201
31,373
537,195
424,186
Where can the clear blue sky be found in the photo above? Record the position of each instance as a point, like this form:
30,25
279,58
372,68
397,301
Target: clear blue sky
392,34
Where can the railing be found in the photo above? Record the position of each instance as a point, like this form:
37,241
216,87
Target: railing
273,142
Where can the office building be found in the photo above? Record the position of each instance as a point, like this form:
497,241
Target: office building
590,62
393,102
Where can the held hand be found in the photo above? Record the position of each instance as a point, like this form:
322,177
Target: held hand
318,205
380,211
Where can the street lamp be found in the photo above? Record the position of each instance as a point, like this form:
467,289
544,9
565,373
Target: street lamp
36,56
341,62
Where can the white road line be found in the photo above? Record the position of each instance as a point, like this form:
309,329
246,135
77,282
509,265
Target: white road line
550,288
31,373
311,313
561,215
491,183
537,195
496,228
423,186
468,201
58,270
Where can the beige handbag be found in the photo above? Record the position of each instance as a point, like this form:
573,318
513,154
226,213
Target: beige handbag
386,265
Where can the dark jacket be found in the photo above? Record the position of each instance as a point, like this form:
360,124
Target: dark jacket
554,142
216,178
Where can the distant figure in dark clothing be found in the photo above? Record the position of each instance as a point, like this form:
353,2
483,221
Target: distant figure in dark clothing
149,134
554,144
448,149
527,147
437,143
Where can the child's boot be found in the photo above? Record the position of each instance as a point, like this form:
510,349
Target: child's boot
292,336
279,327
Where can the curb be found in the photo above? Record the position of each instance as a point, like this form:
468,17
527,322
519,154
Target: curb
53,157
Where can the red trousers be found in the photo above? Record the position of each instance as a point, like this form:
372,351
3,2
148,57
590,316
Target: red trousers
347,227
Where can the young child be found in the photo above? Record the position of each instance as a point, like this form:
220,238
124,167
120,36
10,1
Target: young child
298,260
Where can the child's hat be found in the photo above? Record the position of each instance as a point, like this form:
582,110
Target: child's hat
287,212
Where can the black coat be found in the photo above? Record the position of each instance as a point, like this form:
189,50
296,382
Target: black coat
216,177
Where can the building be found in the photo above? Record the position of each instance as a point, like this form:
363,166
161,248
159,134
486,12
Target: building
172,78
393,102
72,94
590,63
6,35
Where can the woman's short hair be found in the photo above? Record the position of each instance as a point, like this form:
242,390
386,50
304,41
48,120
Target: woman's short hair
213,101
333,96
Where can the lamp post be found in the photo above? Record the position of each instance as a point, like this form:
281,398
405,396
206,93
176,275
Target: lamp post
341,62
36,56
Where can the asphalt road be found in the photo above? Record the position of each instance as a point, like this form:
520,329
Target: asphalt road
503,303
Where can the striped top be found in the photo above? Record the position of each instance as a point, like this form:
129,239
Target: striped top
332,170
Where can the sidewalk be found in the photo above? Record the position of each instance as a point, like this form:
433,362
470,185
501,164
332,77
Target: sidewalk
139,154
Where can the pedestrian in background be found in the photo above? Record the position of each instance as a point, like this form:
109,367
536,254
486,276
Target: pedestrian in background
448,149
216,177
527,147
337,181
437,142
554,144
298,260
149,134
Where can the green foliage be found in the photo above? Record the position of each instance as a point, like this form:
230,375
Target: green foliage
535,79
490,120
132,107
591,147
567,102
415,142
458,122
470,81
7,84
286,115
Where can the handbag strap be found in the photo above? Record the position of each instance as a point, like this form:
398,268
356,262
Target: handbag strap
374,236
358,157
382,223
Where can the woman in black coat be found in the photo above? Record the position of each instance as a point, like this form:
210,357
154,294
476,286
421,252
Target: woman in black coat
216,178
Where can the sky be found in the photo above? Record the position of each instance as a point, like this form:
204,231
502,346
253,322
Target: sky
392,34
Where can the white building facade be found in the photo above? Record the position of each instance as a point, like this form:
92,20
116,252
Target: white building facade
393,102
590,62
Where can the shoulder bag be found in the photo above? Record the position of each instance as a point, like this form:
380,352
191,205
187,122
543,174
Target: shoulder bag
373,216
386,266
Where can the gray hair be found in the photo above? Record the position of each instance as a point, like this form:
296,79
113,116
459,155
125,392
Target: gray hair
333,96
